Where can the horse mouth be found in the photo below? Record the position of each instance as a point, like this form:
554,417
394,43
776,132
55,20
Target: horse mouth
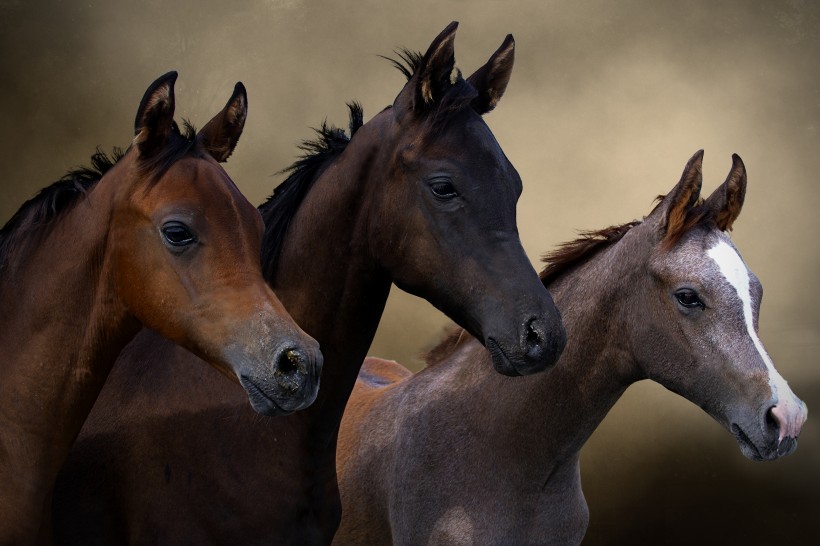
261,402
749,448
501,361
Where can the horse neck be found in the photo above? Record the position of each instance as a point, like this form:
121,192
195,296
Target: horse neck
555,412
327,279
61,327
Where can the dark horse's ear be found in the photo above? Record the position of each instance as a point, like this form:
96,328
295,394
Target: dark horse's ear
673,207
491,79
432,77
727,200
155,116
220,135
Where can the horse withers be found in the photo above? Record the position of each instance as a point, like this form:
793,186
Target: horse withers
422,196
158,236
456,455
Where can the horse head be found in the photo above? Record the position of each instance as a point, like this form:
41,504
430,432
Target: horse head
701,338
459,247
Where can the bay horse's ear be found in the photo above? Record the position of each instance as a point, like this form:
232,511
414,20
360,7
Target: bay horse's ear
727,200
683,196
432,77
155,116
220,135
491,79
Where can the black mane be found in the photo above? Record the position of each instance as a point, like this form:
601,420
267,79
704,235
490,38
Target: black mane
51,201
281,206
58,198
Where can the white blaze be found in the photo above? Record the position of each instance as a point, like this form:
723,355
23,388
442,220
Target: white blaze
734,270
790,411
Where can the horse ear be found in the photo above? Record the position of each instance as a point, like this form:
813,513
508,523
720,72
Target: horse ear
727,200
683,196
220,135
491,79
155,116
433,75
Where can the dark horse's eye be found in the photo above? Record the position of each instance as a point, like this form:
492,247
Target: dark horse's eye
689,298
443,190
177,234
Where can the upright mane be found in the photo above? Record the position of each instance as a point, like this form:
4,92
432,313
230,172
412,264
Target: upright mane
278,211
559,261
458,96
51,202
573,253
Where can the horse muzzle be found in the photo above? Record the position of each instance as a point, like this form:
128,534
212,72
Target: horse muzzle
776,435
289,384
538,348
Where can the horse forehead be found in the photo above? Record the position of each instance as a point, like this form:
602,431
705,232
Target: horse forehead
694,254
469,143
198,179
733,269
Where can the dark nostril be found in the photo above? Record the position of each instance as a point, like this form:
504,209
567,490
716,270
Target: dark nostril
534,337
289,361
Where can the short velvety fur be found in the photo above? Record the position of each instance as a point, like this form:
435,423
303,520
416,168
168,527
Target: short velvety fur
454,455
432,211
158,236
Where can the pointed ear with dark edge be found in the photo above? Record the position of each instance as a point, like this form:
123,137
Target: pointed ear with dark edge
220,135
683,196
155,116
433,75
727,200
491,79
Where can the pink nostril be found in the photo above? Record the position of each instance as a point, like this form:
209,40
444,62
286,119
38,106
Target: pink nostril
788,418
775,419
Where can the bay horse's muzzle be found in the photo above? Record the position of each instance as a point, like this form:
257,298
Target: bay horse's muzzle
290,385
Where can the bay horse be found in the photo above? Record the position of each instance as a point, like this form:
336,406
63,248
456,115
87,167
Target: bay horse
421,196
454,455
158,236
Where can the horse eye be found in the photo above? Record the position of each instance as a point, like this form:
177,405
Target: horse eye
689,299
443,190
177,234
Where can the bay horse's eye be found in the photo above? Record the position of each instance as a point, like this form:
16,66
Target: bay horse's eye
689,299
177,234
443,190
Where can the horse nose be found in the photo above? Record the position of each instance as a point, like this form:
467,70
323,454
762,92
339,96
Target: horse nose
294,366
543,341
784,422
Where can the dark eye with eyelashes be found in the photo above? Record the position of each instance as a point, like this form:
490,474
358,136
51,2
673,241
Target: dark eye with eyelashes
443,189
689,298
177,234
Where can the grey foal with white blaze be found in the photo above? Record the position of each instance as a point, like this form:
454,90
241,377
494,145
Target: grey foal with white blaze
458,455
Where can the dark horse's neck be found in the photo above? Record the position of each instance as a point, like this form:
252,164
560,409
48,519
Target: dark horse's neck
329,282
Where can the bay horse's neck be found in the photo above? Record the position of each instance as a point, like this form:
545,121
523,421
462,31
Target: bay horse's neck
65,332
327,278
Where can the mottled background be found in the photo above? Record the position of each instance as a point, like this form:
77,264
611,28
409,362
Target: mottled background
607,102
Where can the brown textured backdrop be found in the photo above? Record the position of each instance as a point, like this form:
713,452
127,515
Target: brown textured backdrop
606,104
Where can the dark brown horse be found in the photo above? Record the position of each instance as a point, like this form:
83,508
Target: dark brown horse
454,455
161,238
422,196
